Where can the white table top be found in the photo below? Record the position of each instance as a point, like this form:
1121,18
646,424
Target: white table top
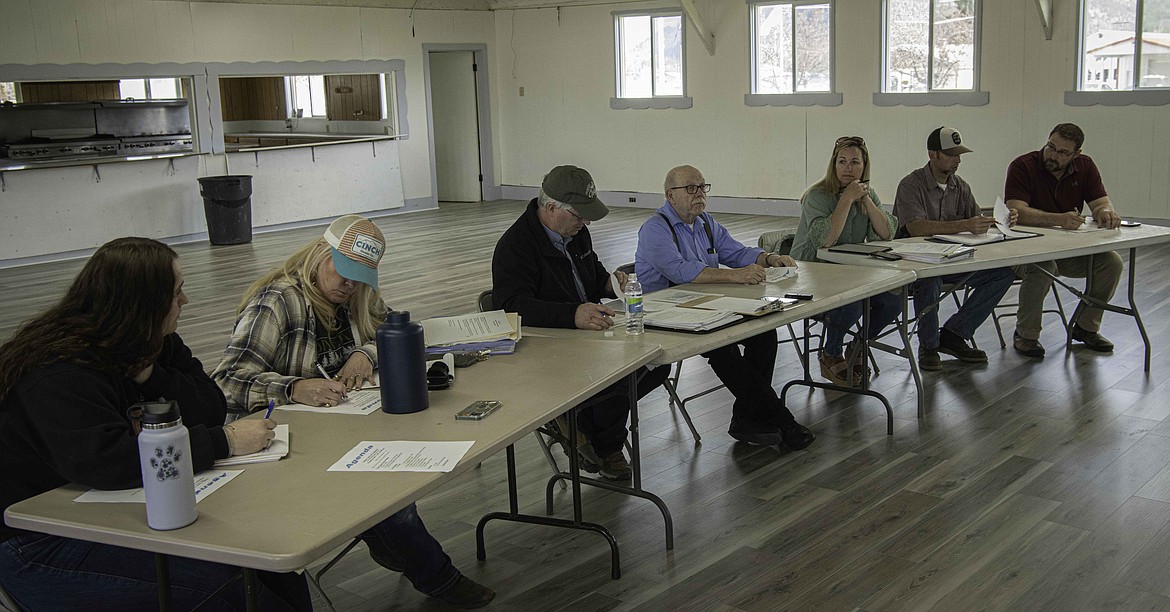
831,286
282,516
1052,243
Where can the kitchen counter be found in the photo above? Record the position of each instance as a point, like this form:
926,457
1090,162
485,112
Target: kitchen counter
251,141
8,165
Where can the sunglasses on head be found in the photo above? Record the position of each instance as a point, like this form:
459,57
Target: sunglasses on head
850,140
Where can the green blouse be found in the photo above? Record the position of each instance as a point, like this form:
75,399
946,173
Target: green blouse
815,208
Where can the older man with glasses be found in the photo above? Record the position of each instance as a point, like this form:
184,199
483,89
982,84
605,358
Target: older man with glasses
681,243
1050,187
544,268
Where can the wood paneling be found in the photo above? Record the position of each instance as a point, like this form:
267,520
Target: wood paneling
69,91
353,97
252,98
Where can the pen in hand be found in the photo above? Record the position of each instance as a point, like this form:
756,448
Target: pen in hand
271,405
321,369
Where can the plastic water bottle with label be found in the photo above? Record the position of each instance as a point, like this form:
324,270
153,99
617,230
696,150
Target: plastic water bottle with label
633,299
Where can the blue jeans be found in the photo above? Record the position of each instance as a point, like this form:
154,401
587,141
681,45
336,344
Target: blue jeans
987,288
883,309
404,539
44,572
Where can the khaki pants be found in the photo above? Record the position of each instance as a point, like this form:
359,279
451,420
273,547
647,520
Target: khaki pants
1106,274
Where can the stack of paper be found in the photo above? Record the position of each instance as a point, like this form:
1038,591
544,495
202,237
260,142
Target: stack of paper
496,331
969,239
746,306
669,298
690,319
277,449
927,252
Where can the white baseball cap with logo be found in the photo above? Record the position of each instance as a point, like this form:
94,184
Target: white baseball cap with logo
948,140
358,246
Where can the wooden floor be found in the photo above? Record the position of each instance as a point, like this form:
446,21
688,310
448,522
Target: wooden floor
1029,485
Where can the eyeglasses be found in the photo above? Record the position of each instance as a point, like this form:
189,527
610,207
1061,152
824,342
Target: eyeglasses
579,218
850,139
693,189
1060,152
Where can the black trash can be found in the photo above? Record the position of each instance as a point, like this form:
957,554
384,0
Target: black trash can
227,203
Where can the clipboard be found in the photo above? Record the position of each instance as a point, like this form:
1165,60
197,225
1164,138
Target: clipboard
859,248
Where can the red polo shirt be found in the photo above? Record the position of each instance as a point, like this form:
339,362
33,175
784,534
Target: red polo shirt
1028,180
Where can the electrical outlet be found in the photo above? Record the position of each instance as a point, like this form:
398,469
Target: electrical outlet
288,123
633,199
521,92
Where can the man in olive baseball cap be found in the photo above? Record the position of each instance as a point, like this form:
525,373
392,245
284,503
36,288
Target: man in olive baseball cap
545,268
573,186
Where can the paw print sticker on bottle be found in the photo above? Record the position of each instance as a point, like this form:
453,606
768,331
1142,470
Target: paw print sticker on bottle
164,448
165,462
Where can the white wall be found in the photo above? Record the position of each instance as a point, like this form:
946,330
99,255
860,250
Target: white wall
564,60
156,31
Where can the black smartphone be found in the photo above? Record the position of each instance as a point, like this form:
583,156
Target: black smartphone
477,410
798,296
1126,223
886,255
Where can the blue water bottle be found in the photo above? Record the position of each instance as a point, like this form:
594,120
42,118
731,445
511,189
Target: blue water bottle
402,369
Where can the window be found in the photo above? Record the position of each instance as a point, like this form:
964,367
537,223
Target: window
791,47
649,55
931,46
1125,45
9,91
150,89
307,95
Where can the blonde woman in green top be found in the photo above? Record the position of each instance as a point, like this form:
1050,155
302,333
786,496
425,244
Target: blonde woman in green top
842,208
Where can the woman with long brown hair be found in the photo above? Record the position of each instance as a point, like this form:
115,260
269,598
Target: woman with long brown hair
67,380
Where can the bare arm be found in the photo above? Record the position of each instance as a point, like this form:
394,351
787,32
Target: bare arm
1104,214
1040,218
775,260
877,220
926,227
747,275
853,192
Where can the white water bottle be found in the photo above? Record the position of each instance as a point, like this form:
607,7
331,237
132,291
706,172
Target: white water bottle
168,476
633,299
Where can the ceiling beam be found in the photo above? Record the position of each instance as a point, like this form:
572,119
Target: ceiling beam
1045,7
696,18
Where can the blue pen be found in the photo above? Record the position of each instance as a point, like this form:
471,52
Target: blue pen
271,405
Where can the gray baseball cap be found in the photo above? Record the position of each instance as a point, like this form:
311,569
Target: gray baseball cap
573,186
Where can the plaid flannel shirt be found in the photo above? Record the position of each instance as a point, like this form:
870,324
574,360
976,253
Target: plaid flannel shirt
273,345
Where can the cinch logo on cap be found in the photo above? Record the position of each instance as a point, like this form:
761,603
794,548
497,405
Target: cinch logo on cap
368,247
955,137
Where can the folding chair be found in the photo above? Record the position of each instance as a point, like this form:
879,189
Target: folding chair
996,315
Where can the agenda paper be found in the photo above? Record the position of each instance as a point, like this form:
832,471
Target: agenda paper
402,456
206,483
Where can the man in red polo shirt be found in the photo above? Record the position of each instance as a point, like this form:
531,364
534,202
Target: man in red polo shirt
1050,187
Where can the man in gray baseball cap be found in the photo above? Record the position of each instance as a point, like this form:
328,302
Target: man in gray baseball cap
544,268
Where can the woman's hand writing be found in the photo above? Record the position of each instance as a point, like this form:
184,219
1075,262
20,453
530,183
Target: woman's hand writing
318,392
247,436
357,370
